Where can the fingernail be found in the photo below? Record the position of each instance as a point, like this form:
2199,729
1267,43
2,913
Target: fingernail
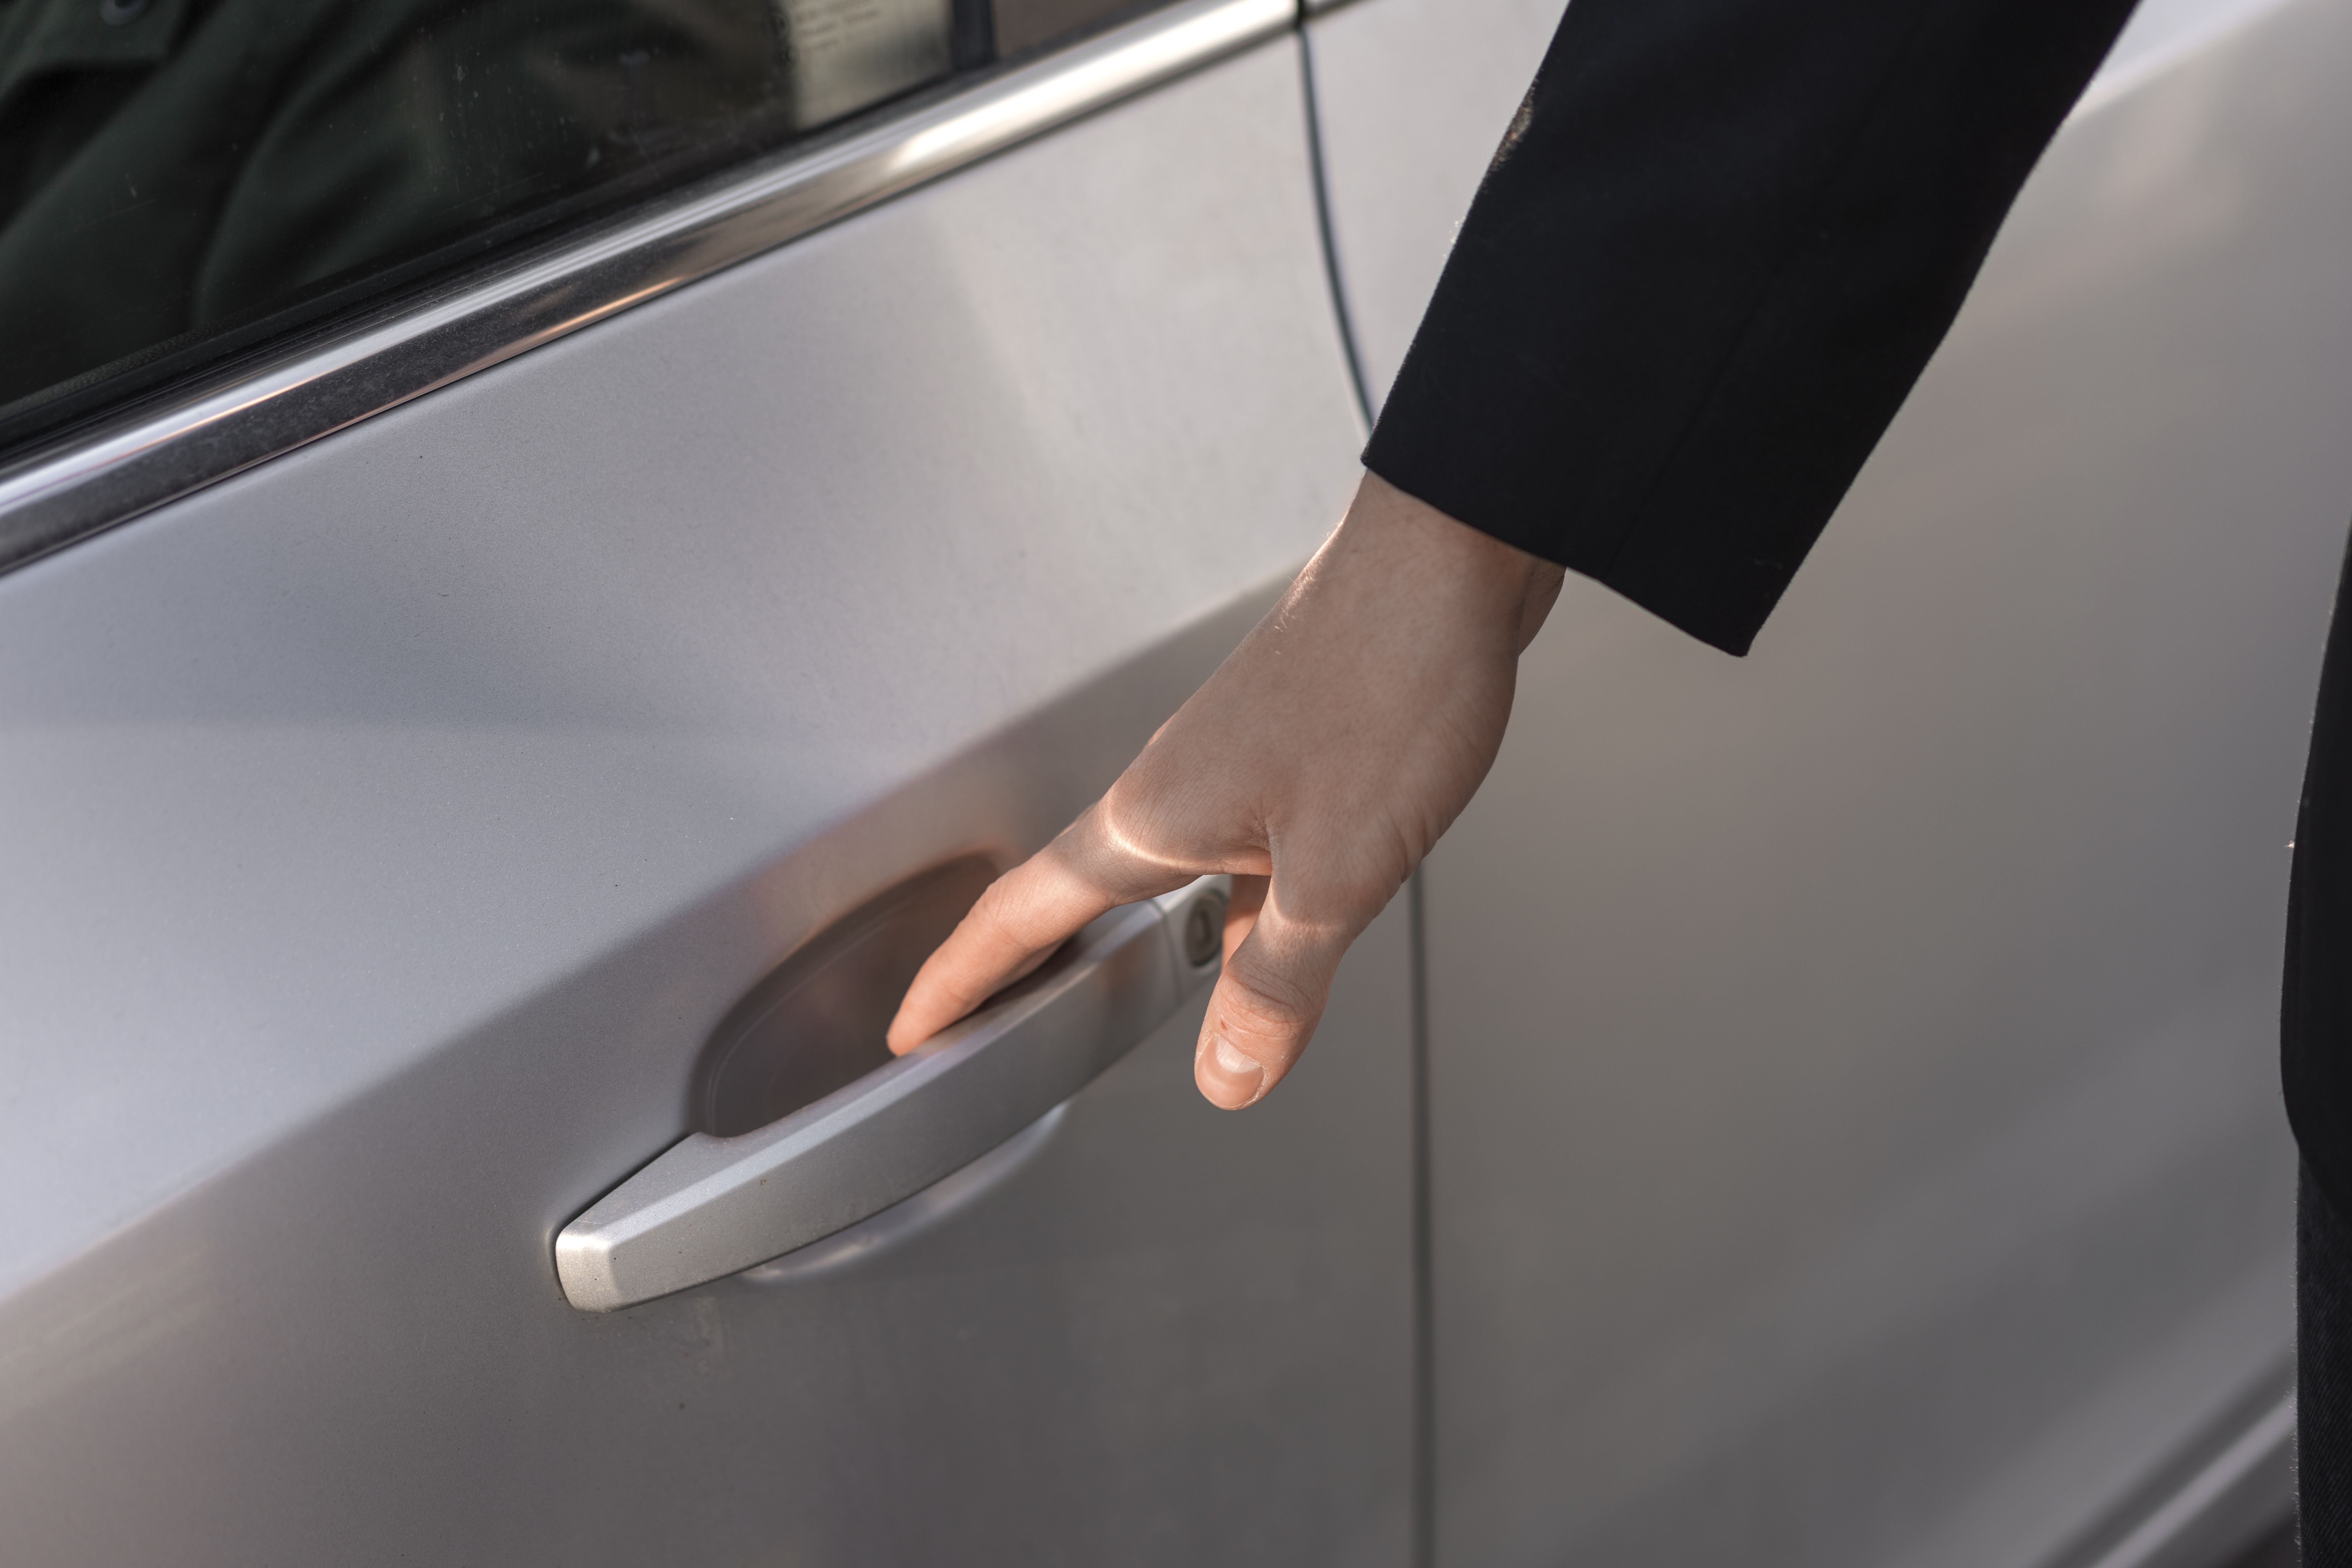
1231,1077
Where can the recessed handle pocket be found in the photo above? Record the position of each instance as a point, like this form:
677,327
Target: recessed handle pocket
715,1204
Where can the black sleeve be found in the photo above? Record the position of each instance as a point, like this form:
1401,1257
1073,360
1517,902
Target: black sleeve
1719,244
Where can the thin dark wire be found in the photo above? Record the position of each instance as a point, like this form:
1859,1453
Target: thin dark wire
1323,223
1424,1314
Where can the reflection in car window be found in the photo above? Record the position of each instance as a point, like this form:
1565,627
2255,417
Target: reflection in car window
179,177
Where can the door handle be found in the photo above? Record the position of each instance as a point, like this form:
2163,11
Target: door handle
711,1206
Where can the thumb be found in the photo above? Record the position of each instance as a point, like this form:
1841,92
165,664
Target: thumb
1266,1004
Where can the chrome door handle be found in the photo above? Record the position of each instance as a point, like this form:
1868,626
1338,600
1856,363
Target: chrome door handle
711,1206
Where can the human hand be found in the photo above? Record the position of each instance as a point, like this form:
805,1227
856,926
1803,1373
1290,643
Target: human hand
1318,765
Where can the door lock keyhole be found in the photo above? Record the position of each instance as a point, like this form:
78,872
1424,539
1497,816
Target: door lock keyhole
1204,929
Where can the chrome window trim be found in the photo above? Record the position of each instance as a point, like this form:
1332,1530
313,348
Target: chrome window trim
157,454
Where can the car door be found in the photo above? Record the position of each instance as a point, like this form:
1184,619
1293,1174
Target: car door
488,675
1857,1141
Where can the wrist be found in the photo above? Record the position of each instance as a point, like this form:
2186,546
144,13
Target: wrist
1441,554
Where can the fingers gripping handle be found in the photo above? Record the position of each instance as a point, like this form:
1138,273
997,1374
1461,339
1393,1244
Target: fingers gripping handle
711,1207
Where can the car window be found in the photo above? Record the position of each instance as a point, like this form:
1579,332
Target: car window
182,179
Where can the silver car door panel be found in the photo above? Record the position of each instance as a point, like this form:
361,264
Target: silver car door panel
1853,1089
397,822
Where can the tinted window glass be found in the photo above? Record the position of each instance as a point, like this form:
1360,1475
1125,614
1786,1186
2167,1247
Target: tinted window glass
180,178
1022,27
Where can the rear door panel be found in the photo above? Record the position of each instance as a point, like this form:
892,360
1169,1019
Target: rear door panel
1854,1116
